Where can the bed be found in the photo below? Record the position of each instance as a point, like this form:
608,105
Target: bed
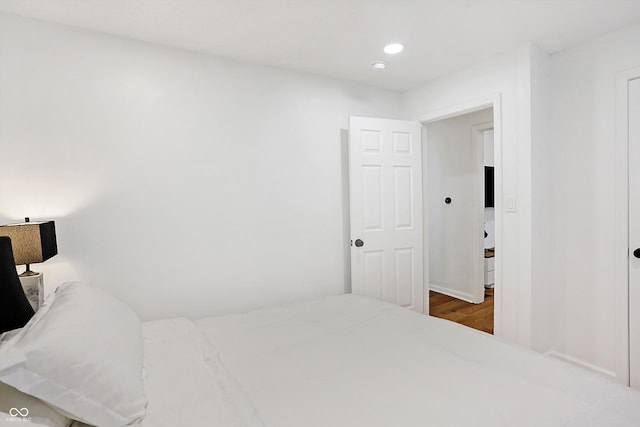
348,360
344,360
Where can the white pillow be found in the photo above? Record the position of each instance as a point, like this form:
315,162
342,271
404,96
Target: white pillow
81,353
16,407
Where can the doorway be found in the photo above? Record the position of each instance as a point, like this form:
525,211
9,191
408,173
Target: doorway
460,218
388,204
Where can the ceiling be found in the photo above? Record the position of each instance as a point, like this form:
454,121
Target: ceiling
341,38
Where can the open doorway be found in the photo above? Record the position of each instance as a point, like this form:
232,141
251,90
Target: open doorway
459,171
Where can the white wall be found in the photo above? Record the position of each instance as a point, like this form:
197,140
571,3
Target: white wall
489,156
583,111
558,154
451,172
542,180
185,184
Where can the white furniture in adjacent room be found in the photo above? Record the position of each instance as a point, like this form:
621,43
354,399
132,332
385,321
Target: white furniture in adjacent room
489,267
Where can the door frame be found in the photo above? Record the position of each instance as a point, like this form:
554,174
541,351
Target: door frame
621,250
490,101
479,200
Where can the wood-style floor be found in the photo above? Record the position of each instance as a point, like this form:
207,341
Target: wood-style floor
476,316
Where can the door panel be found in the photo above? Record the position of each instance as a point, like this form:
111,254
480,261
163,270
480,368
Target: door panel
634,233
385,159
403,274
372,211
403,197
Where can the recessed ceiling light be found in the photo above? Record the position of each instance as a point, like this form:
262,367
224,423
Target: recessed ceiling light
393,48
378,65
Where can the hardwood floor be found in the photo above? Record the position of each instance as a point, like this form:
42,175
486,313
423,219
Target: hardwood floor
476,316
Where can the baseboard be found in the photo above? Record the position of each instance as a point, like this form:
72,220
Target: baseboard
451,292
581,363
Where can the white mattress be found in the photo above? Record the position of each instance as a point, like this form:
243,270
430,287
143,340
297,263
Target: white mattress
185,383
357,362
353,361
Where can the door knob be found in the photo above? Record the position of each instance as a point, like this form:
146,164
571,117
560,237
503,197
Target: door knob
359,243
636,253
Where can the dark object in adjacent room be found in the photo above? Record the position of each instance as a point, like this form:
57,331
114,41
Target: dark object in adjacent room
488,186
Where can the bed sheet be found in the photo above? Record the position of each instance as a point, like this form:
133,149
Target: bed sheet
185,383
354,361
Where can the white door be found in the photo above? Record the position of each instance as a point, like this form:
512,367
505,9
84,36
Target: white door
634,233
385,170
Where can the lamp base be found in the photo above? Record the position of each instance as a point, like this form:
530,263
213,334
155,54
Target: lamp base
33,286
29,273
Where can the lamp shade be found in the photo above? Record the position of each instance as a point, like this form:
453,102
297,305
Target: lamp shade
32,242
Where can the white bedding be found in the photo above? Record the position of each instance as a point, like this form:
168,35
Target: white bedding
353,361
185,383
357,362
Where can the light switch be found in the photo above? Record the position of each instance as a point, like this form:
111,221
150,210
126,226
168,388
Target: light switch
510,204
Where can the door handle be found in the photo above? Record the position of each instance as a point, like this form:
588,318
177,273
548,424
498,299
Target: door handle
359,243
636,253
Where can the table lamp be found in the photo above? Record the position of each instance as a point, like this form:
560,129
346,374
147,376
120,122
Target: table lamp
32,242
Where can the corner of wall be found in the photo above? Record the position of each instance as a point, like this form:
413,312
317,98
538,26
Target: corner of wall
541,181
